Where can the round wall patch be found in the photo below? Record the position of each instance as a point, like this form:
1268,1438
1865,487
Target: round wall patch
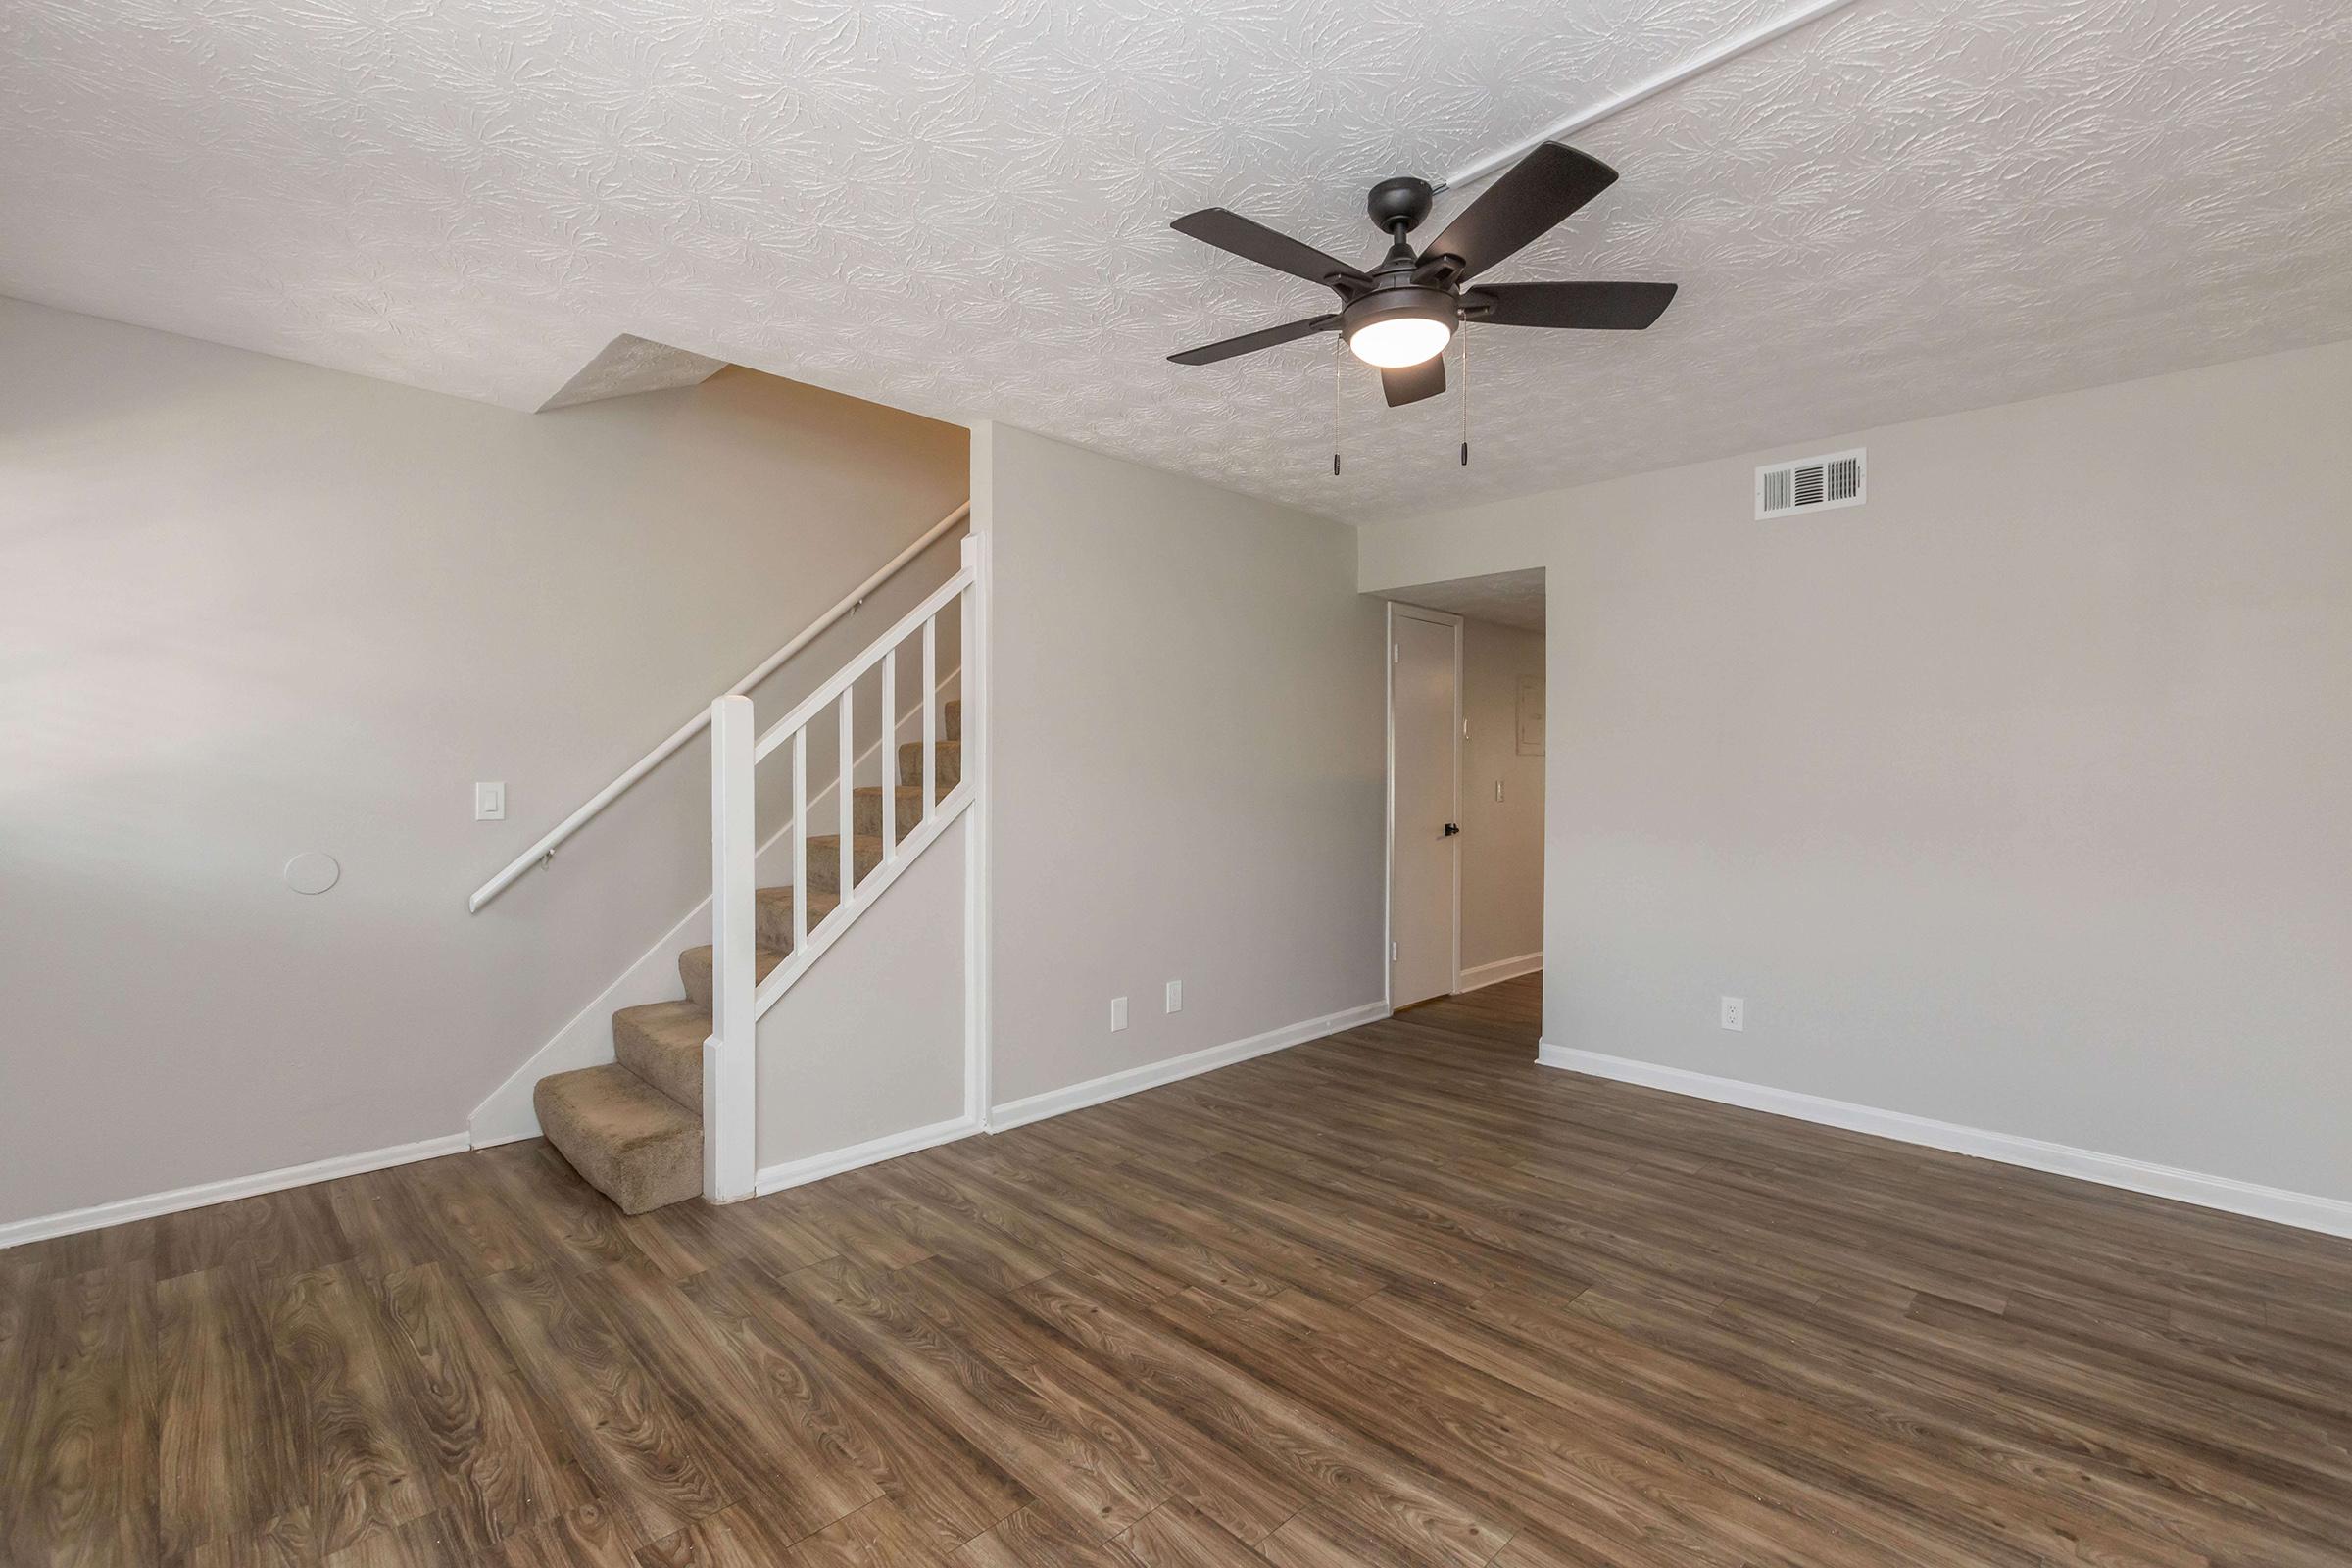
311,871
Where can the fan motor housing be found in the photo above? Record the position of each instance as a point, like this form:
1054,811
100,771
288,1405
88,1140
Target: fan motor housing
1401,200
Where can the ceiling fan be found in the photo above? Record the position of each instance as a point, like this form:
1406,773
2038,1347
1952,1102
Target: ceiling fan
1401,315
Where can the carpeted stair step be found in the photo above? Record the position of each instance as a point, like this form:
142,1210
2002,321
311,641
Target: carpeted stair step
633,1127
774,906
661,1042
632,1142
951,764
693,968
867,815
824,862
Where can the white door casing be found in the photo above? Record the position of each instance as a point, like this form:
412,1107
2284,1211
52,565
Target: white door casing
1425,729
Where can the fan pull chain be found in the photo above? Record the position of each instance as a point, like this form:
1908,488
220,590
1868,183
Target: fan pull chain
1465,394
1336,355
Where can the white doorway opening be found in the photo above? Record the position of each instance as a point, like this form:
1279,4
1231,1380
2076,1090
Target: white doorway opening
1467,676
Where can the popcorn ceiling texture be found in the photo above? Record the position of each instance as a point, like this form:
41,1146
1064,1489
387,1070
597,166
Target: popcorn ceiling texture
1512,598
1914,206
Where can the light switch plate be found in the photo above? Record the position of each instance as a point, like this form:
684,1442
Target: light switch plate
490,803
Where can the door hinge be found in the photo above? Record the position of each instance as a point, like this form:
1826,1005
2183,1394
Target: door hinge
1395,653
1392,952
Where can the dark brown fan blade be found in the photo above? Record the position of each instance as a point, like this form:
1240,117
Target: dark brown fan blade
1595,307
1231,231
1416,381
1251,342
1533,194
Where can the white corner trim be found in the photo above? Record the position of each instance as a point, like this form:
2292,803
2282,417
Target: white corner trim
1487,974
2304,1211
204,1194
816,1167
1150,1075
979,874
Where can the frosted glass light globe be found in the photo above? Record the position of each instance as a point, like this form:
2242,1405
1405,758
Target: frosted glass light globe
1399,341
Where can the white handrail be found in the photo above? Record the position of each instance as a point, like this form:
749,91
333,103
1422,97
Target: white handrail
701,722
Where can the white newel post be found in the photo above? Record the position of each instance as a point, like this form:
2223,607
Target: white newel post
729,1056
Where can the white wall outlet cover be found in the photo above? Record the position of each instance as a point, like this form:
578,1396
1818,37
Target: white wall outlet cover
1175,996
1735,1013
313,871
490,803
1118,1013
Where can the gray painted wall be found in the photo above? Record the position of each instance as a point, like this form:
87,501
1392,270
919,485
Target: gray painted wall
870,1042
2014,799
249,608
1187,743
1502,841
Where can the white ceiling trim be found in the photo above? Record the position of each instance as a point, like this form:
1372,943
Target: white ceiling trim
1723,54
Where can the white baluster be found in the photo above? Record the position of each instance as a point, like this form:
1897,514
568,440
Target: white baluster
890,751
849,802
800,840
930,714
967,634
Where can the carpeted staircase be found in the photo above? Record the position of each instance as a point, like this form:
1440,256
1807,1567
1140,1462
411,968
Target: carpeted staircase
634,1126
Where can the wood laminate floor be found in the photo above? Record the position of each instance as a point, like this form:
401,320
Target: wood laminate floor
1398,1297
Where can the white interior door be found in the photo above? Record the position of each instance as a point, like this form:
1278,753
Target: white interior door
1425,684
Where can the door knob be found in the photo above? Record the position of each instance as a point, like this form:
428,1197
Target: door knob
1451,828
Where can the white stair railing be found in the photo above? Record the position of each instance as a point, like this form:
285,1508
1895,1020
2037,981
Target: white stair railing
739,996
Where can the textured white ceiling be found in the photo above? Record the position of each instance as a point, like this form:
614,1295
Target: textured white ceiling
1913,207
1505,598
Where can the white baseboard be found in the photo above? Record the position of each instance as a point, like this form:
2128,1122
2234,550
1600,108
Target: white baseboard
816,1167
100,1215
1094,1090
1037,1108
2303,1210
1487,974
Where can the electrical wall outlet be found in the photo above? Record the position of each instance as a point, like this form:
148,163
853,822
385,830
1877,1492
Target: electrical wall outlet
1175,996
490,803
1118,1013
1735,1013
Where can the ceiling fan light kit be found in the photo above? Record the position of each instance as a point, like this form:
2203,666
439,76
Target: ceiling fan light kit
1401,315
1405,335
